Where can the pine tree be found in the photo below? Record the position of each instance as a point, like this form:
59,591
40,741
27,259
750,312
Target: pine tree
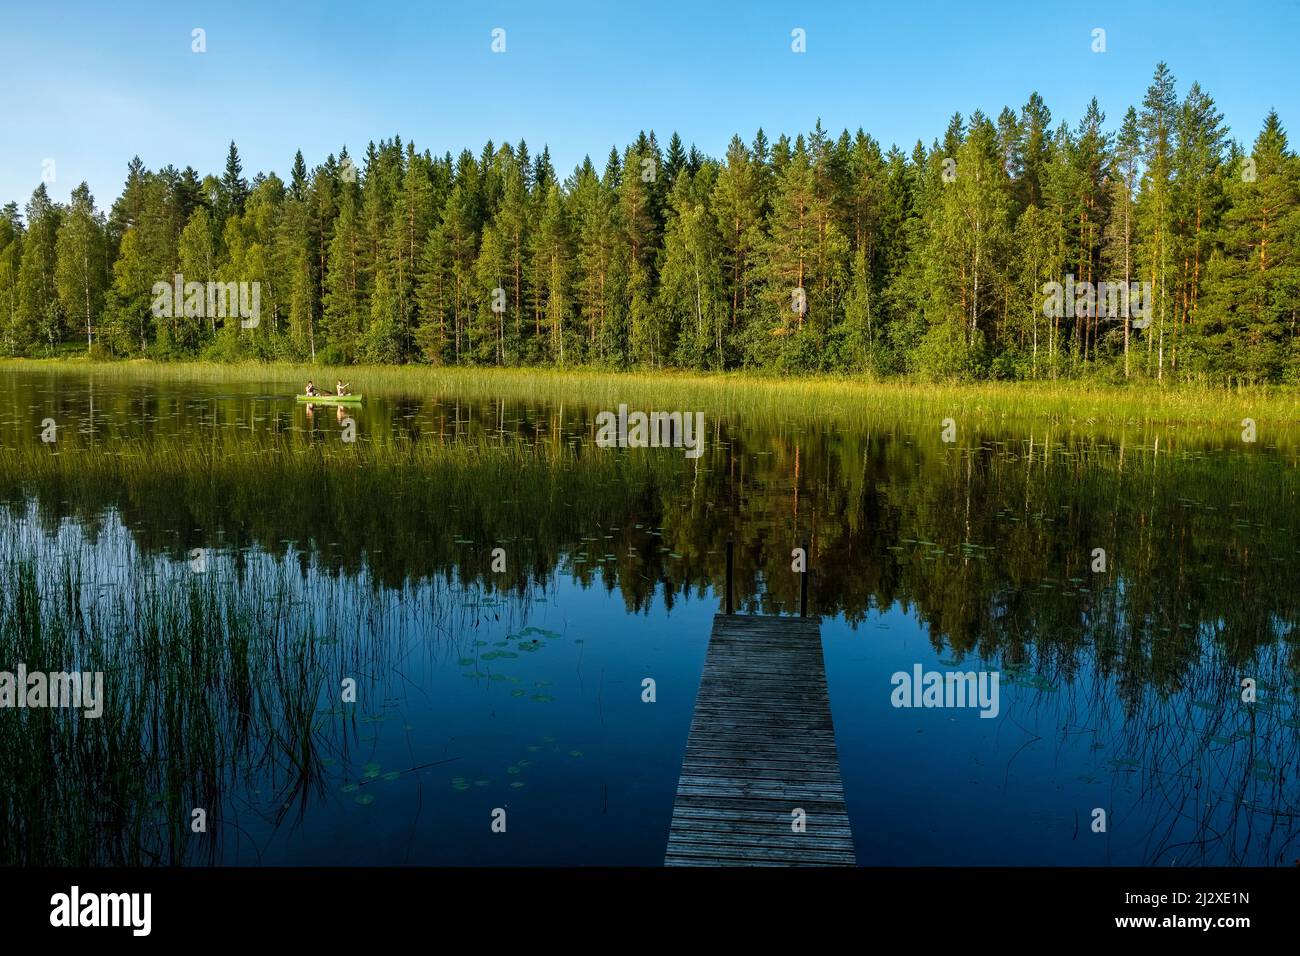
345,283
1250,308
11,255
40,315
552,260
234,186
1155,212
298,177
1197,204
691,301
1121,228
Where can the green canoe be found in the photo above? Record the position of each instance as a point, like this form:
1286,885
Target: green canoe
329,399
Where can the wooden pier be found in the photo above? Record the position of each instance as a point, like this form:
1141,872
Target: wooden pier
761,746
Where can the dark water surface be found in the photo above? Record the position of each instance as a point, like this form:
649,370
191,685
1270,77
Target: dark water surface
228,559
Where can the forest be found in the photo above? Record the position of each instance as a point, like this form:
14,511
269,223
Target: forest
817,254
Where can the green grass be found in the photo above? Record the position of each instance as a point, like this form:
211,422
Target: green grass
1074,403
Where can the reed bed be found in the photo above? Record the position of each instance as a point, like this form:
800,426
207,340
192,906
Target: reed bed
1081,404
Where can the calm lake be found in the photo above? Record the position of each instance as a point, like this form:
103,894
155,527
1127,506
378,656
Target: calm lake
231,560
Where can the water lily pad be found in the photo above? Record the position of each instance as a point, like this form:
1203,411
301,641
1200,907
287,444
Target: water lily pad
349,788
365,799
518,692
516,785
391,775
466,662
543,698
575,753
481,783
512,769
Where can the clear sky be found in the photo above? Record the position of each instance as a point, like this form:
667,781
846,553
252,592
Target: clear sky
90,84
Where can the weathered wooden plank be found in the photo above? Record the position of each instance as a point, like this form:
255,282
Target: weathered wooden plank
761,745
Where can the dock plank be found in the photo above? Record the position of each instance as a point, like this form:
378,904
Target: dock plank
762,743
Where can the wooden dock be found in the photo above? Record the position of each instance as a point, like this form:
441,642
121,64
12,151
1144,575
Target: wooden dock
761,745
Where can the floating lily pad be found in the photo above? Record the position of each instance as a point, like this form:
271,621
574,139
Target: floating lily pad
575,753
365,799
349,788
518,692
391,775
516,785
466,661
481,783
543,698
512,770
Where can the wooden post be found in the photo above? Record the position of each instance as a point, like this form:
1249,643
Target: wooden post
803,583
731,547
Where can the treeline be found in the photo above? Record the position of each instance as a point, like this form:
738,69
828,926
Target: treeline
811,254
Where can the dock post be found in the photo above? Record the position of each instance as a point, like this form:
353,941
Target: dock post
803,583
731,547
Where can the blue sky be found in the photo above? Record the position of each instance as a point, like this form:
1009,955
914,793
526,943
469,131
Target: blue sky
94,84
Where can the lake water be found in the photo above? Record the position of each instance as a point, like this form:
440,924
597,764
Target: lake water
231,559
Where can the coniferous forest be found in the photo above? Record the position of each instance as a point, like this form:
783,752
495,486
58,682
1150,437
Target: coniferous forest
817,253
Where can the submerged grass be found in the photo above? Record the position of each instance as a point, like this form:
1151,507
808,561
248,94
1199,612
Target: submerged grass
220,693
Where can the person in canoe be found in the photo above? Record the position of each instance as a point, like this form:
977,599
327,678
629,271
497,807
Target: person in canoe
311,389
340,388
